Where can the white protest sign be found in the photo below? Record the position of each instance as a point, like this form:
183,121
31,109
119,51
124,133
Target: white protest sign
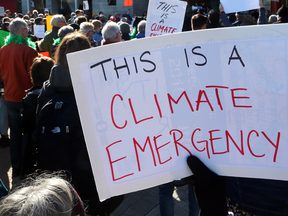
85,5
165,17
232,6
32,4
2,11
218,94
39,31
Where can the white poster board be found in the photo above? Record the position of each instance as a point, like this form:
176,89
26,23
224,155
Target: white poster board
218,94
165,17
239,5
2,11
39,31
85,5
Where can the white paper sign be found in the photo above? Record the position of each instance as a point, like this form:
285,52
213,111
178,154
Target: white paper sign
85,5
165,17
218,94
2,11
232,6
32,4
39,31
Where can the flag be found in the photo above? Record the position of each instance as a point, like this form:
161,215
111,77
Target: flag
128,2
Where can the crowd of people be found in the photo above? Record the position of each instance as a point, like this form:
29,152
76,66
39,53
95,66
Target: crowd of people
39,104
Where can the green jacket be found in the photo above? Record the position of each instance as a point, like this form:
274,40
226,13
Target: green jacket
48,40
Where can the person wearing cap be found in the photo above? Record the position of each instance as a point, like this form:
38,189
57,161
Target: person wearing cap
282,15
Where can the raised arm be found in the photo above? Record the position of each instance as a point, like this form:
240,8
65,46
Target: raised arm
224,17
262,18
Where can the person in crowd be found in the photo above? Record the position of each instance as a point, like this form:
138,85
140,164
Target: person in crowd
282,15
40,71
87,29
5,26
125,30
256,196
255,15
242,19
102,19
6,19
44,195
76,160
26,17
97,28
72,15
77,14
34,14
75,26
80,19
213,19
63,31
111,33
38,21
46,13
135,24
141,29
15,75
272,18
4,140
8,13
117,17
198,22
57,22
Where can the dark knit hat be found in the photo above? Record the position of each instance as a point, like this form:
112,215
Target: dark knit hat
283,11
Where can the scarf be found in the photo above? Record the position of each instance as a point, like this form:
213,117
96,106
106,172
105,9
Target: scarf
18,39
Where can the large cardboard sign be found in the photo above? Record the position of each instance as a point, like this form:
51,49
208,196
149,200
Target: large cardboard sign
165,17
239,5
219,94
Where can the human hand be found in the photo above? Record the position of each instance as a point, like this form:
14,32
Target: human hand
210,189
221,8
260,3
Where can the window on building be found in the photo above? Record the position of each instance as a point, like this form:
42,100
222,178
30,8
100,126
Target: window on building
111,2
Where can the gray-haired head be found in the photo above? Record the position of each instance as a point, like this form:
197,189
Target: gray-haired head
50,196
64,31
141,26
57,18
110,31
86,27
17,25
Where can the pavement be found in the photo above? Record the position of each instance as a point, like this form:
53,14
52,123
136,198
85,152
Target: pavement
144,202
